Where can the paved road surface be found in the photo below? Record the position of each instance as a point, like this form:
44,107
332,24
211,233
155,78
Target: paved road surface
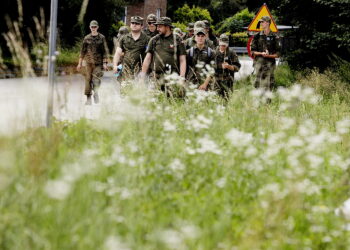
23,102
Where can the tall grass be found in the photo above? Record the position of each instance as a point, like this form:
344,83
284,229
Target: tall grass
201,173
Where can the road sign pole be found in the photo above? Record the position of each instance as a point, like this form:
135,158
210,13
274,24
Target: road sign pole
52,60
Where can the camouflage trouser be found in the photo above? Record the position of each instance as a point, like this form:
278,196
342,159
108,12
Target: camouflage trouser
93,74
264,71
224,86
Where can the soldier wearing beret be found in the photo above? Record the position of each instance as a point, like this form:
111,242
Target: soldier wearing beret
265,49
94,53
134,46
227,64
151,30
198,57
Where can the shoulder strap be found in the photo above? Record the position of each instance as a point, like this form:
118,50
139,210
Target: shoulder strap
191,52
209,51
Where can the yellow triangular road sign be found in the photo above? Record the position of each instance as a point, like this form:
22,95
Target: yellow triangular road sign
264,11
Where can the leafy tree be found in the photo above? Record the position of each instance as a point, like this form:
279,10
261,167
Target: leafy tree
236,22
186,14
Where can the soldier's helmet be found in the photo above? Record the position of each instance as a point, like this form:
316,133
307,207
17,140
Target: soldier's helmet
164,21
224,40
151,18
136,19
123,31
190,27
199,24
93,23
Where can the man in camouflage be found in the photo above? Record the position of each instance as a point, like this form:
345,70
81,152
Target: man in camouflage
165,52
94,53
133,45
151,30
227,64
198,57
190,31
190,42
210,34
265,49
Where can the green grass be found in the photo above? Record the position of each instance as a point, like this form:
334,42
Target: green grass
146,176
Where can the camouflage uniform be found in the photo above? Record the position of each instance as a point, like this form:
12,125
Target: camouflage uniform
163,51
265,67
224,78
189,29
196,57
94,52
134,53
151,18
190,42
211,36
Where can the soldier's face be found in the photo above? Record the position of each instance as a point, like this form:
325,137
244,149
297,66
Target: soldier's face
135,26
151,26
200,39
265,24
161,29
93,28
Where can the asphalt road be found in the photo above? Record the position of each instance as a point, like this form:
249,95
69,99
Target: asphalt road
23,102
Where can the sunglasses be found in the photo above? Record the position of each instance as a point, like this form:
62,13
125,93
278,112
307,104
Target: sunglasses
93,27
135,23
150,23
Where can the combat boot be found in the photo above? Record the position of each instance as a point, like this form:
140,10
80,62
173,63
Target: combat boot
88,100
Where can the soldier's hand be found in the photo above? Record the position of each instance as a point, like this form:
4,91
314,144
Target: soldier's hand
225,65
78,67
115,69
203,87
105,67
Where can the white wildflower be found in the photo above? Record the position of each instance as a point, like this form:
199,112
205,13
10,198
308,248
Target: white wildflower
343,126
115,243
287,123
208,146
239,138
220,183
344,210
173,239
168,126
190,231
314,160
176,165
58,189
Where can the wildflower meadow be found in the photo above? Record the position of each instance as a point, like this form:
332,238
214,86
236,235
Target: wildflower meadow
262,170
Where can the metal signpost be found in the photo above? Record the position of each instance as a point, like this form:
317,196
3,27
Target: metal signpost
52,61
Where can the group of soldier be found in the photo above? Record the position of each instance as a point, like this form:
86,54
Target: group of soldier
198,57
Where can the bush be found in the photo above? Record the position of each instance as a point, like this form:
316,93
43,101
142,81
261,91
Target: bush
284,76
68,57
235,23
187,15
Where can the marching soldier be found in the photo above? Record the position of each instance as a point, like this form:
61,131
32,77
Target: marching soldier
151,30
133,45
190,42
227,64
190,31
165,52
198,57
94,52
210,34
265,49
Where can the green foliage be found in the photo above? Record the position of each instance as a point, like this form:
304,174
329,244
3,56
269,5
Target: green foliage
68,57
181,26
323,30
236,22
284,76
186,15
115,27
240,39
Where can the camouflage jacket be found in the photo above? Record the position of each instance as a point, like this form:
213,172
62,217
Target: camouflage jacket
94,49
262,42
230,57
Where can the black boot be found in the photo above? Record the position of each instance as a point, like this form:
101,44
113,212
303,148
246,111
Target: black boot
88,100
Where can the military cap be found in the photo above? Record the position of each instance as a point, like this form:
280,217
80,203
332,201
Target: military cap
136,19
199,30
93,23
199,24
224,40
123,31
265,18
151,18
207,24
164,21
190,26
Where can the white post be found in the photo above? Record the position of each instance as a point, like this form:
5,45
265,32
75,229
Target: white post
52,60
